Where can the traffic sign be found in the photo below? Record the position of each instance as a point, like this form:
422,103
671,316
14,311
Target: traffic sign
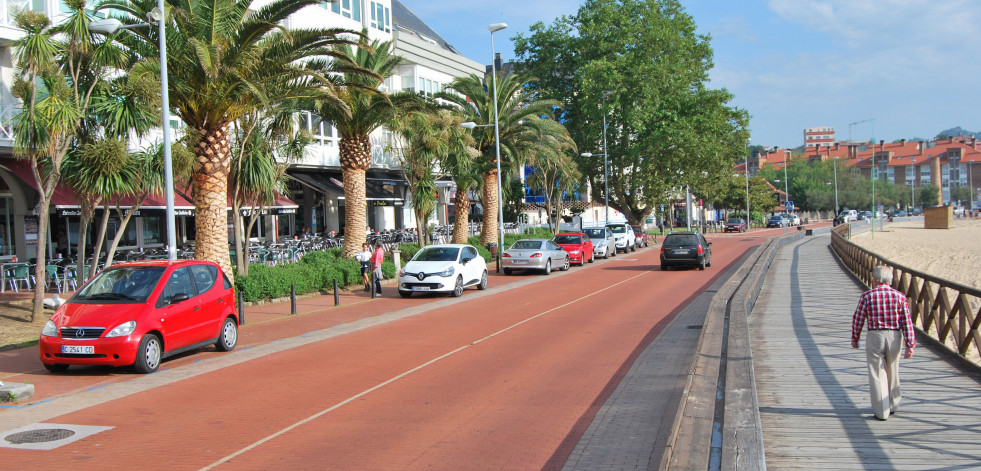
788,205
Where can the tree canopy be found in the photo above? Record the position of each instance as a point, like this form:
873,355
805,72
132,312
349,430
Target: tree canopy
642,66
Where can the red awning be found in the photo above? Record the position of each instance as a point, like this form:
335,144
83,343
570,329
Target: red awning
21,168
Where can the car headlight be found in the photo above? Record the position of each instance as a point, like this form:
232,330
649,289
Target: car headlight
122,330
49,330
446,273
402,272
574,252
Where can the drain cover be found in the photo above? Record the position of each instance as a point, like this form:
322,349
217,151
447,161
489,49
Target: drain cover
39,436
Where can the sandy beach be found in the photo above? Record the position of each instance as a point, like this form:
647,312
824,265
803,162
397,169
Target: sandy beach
952,254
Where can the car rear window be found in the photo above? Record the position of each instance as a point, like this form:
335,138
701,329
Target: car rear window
618,229
567,239
680,240
527,245
596,233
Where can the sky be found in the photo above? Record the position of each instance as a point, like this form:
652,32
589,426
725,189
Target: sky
872,69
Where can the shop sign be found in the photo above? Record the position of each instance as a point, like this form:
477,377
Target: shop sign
30,230
285,211
381,203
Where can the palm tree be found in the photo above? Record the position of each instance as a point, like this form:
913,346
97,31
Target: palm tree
60,70
526,129
431,145
369,108
226,60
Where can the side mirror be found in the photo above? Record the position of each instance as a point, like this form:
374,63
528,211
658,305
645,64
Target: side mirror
466,260
179,298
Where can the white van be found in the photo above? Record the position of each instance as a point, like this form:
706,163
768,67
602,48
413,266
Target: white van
848,215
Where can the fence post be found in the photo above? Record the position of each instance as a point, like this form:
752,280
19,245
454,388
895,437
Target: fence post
337,300
293,299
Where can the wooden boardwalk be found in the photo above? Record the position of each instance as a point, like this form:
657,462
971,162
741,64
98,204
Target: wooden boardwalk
813,387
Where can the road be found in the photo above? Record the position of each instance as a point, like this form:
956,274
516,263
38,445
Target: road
507,378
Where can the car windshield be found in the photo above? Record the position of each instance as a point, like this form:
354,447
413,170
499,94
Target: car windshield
596,233
527,245
568,239
123,284
776,218
637,231
680,240
734,221
618,229
437,254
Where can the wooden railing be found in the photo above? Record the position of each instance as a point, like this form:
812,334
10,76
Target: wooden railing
947,311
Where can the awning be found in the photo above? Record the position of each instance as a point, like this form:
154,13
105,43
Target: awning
21,168
324,182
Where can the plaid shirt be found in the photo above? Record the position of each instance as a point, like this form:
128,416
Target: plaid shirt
885,309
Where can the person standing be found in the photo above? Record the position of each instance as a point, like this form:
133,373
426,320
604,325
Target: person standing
886,312
364,256
376,262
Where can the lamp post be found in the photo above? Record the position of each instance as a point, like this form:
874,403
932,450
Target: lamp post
606,175
493,28
912,193
786,181
747,197
110,26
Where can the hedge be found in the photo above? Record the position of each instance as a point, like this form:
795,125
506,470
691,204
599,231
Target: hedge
317,271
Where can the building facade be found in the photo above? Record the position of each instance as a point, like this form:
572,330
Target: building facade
819,137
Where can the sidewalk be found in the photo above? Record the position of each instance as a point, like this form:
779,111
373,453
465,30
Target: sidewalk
813,388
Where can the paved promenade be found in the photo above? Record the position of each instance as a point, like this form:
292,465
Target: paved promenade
813,389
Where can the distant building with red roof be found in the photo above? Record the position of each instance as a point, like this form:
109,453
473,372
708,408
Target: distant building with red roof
819,137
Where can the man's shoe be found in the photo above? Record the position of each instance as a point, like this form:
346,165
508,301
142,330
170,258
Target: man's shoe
878,418
378,295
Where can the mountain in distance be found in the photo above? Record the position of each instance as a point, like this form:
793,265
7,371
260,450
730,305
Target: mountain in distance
959,132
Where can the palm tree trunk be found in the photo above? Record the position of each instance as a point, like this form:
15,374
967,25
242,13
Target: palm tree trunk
488,231
355,156
461,226
211,197
97,251
422,220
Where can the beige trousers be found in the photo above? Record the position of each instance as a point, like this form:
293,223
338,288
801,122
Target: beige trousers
882,349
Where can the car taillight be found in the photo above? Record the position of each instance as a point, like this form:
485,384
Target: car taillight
536,255
662,250
507,255
700,252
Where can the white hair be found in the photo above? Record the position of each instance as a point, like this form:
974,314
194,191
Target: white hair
882,274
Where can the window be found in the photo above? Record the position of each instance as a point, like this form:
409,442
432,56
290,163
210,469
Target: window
204,276
153,227
347,8
179,283
381,17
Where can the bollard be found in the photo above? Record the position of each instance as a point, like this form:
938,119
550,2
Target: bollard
293,299
241,310
372,292
337,300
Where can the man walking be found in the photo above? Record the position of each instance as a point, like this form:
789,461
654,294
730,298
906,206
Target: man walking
887,313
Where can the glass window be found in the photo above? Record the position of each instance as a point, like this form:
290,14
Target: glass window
204,277
153,228
178,283
129,237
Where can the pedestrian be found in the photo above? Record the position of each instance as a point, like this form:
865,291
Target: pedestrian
376,262
364,256
886,312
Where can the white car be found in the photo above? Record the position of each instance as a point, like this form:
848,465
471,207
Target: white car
446,268
602,237
624,237
848,215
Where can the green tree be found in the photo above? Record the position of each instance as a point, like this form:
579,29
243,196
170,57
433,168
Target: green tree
363,109
642,66
556,176
224,60
427,140
60,71
525,126
961,194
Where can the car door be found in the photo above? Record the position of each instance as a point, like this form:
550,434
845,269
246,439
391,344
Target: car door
556,253
211,299
178,316
475,266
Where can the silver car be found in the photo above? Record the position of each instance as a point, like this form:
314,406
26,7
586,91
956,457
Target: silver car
603,242
534,254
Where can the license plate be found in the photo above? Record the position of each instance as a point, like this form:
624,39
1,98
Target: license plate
420,288
680,252
78,349
518,262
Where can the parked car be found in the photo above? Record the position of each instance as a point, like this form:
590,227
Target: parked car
776,221
640,236
848,215
685,249
915,212
794,219
900,214
735,225
602,238
534,254
864,215
624,236
578,245
138,313
445,268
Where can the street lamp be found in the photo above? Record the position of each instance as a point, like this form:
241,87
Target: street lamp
606,174
912,193
837,210
786,181
110,26
747,195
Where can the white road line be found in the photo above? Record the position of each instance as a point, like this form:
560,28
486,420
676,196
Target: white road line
406,373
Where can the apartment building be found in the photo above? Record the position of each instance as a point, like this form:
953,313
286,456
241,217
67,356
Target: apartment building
819,137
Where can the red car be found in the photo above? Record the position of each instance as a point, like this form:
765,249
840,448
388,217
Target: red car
735,225
579,247
140,313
